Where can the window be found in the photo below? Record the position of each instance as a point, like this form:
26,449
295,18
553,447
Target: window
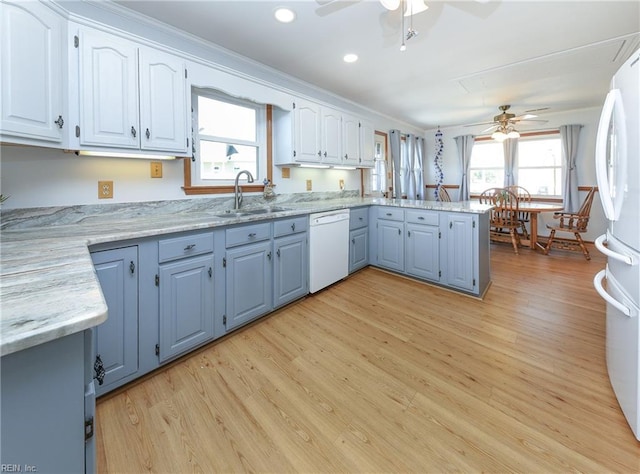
229,136
539,165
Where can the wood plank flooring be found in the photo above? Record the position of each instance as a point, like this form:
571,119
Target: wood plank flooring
382,374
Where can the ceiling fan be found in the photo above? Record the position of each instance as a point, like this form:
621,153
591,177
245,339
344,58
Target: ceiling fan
504,123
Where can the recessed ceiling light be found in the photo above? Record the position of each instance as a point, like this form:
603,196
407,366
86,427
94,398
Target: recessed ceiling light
350,58
284,15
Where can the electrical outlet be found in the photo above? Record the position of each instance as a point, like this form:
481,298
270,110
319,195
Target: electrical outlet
341,184
308,185
156,169
286,173
105,189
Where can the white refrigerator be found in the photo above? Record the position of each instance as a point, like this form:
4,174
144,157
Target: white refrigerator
618,174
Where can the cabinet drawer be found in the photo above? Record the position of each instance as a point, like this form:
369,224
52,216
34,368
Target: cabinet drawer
358,218
247,234
423,217
290,226
391,213
187,246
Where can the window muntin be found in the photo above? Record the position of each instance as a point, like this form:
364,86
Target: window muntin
229,136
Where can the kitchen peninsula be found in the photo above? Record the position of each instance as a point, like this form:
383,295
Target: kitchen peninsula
51,295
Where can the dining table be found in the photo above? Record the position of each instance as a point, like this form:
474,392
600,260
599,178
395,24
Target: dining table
535,208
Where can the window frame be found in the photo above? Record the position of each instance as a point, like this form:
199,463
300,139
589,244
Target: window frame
544,133
190,187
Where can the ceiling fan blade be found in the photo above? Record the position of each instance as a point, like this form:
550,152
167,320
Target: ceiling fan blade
490,128
524,117
477,124
530,121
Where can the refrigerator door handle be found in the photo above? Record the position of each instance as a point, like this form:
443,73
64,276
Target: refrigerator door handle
612,108
628,259
597,283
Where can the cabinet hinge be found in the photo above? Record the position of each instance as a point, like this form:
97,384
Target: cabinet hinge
187,143
185,73
439,273
294,105
78,131
224,262
224,319
474,224
439,234
474,282
157,280
294,153
157,349
88,428
76,41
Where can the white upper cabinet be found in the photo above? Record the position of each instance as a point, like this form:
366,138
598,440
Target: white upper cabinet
367,145
331,133
32,71
130,96
350,140
306,132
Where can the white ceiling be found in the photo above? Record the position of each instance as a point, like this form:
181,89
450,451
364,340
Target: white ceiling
469,57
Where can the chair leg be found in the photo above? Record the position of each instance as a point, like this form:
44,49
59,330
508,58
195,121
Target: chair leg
582,246
551,236
525,234
514,239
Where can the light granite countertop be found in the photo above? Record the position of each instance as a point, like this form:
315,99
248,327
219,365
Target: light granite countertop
48,287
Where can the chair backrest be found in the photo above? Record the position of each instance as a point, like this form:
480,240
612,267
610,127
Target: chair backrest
585,211
523,196
443,195
505,211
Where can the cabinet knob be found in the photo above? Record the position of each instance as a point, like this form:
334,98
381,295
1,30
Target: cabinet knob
133,132
269,255
278,253
293,227
147,133
346,156
319,152
325,154
132,267
59,122
353,241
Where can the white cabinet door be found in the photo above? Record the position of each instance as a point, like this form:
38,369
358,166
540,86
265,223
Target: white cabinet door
33,95
461,260
162,102
367,145
306,134
331,136
108,91
350,140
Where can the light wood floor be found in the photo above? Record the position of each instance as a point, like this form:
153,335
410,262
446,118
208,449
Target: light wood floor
382,374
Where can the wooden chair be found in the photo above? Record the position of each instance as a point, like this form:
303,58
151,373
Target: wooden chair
503,223
572,223
523,216
443,195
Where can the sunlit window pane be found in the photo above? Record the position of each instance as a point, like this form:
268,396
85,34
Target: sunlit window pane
216,163
223,119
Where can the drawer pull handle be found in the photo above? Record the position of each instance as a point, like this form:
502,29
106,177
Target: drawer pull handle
148,134
293,227
389,214
133,132
361,218
189,247
421,218
252,235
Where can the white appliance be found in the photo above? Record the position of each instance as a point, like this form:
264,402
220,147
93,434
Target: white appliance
328,248
618,173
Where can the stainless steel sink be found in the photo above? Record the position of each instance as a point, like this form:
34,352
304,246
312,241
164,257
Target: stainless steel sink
251,212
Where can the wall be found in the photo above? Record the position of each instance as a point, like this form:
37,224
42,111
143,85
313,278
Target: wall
586,165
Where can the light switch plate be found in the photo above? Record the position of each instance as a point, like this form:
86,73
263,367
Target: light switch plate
309,185
286,173
156,169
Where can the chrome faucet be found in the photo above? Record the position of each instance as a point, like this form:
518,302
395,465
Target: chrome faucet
237,201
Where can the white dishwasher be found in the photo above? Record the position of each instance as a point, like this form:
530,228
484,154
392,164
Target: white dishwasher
328,248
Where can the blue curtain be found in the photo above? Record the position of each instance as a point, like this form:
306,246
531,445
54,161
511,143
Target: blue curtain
396,156
569,138
510,148
465,147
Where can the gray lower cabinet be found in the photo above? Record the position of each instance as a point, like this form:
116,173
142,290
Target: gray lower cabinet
186,293
47,398
423,251
291,260
390,239
248,267
358,238
116,340
461,251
